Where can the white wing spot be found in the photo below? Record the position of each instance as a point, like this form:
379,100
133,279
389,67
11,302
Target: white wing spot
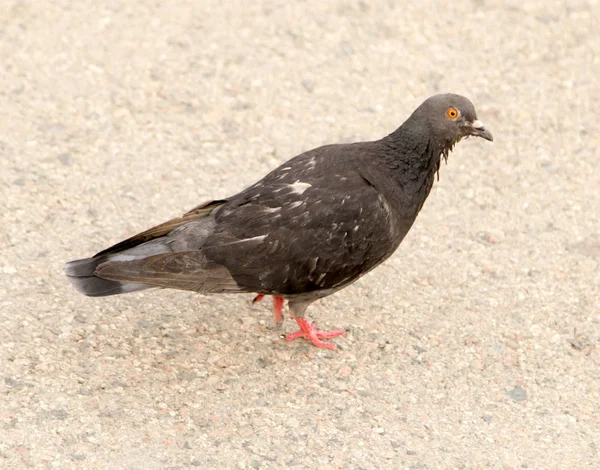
259,237
386,206
269,210
293,205
311,163
245,240
313,266
299,187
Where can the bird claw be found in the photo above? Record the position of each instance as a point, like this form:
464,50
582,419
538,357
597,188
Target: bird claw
310,332
307,330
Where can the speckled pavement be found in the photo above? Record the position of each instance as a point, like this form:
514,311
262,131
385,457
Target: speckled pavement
474,346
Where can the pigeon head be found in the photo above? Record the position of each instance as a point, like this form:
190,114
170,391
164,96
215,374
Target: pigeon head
448,118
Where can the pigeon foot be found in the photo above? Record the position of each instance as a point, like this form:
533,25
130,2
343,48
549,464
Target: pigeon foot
310,332
277,306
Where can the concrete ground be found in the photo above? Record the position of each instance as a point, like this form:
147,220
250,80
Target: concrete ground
474,346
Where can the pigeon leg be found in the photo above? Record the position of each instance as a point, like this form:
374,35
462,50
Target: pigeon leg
308,330
277,306
277,309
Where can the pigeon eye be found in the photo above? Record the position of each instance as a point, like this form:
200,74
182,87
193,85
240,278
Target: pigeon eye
452,113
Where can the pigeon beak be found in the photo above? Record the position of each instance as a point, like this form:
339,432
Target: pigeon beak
479,130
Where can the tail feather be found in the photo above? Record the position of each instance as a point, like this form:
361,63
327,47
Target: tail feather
85,277
82,267
82,278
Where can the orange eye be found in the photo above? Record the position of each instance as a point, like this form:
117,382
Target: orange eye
452,113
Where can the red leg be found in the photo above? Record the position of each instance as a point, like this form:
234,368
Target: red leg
310,332
277,306
278,309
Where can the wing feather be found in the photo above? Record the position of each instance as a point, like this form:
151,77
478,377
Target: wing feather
186,270
198,212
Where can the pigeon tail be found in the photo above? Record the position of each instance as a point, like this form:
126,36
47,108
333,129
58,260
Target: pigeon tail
82,278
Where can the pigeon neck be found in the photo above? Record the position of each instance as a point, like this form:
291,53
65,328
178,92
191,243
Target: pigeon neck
412,159
415,147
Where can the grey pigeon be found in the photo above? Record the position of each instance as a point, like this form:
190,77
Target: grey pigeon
309,228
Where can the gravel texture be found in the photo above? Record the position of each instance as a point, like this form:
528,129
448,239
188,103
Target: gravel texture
474,346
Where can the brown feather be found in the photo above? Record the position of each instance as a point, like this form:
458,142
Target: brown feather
186,270
197,212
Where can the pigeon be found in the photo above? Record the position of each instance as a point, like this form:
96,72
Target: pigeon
309,228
